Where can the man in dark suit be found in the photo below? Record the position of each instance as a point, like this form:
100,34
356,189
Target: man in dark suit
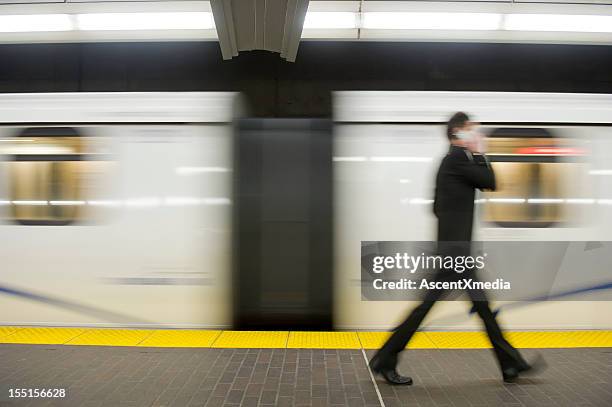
461,172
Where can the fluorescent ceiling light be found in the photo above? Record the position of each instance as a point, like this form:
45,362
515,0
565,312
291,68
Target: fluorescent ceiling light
35,22
332,19
432,21
145,21
558,22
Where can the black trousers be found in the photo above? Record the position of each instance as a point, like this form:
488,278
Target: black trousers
507,356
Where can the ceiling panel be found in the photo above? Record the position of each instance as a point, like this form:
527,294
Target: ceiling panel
29,1
274,24
123,1
599,2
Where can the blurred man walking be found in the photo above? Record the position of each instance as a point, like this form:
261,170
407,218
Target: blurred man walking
463,170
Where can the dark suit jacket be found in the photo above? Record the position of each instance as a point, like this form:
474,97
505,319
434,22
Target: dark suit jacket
459,175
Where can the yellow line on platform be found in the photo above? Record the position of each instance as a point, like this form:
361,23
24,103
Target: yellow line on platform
251,339
192,338
181,338
42,336
323,340
7,330
111,337
374,340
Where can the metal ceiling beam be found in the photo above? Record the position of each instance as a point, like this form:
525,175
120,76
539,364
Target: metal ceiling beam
271,25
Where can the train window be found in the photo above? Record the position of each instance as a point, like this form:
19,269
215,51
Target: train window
531,167
48,170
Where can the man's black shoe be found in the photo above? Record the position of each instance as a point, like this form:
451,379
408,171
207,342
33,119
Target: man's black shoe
537,365
392,377
389,373
510,375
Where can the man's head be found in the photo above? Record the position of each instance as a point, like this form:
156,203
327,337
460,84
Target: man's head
463,132
458,123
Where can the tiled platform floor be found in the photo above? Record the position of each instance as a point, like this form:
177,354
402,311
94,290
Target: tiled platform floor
141,376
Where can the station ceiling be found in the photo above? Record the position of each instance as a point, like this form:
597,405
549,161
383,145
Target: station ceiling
280,25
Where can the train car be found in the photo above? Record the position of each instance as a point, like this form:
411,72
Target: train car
116,209
551,154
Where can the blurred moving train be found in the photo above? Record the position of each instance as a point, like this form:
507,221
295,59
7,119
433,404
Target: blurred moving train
552,156
117,207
